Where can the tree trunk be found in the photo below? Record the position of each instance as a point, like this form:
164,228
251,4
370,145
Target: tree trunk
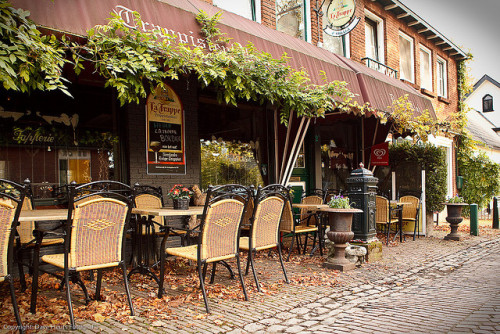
429,223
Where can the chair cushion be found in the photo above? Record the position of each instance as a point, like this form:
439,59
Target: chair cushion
188,252
47,242
58,261
245,244
305,229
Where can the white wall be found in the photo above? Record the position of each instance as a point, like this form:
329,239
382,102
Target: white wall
475,101
447,144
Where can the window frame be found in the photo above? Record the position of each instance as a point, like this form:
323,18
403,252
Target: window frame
306,12
489,108
380,35
443,94
429,53
412,55
255,8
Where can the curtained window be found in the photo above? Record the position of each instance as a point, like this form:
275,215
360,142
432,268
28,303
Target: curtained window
406,71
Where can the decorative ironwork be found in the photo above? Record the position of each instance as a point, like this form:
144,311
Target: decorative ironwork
378,66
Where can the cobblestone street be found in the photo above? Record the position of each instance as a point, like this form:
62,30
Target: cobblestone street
423,286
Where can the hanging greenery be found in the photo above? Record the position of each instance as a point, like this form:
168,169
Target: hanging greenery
430,158
134,62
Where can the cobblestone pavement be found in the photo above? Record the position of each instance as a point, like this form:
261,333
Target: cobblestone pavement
423,286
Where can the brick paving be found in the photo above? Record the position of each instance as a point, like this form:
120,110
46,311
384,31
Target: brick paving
423,286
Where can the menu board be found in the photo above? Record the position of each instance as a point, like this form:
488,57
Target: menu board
165,142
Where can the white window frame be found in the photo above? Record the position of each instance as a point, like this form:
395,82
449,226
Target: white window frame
380,34
258,13
307,18
412,54
445,77
429,53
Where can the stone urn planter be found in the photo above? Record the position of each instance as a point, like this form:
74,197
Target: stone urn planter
454,217
340,221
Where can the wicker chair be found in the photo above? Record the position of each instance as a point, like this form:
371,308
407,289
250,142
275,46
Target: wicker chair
384,215
11,199
265,221
93,239
220,233
26,241
305,224
411,212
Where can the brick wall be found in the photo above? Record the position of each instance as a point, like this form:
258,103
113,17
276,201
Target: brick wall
392,27
136,117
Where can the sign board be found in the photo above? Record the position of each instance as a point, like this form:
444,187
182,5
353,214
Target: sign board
380,155
340,16
165,142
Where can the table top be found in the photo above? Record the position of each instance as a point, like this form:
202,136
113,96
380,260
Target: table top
309,206
193,210
43,215
62,214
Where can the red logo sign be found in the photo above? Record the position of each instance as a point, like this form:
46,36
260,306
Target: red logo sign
380,155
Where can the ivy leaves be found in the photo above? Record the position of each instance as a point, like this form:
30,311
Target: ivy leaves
28,60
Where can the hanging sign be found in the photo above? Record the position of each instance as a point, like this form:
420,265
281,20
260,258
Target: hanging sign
165,143
340,16
380,155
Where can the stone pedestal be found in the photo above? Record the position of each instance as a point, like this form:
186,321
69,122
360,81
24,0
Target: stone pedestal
373,249
454,218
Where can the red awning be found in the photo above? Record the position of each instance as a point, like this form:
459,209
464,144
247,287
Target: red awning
178,17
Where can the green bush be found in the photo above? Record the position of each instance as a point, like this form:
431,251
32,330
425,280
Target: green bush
430,158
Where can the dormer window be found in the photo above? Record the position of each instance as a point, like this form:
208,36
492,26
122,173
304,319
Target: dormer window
487,103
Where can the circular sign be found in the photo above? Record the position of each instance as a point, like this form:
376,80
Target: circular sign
340,12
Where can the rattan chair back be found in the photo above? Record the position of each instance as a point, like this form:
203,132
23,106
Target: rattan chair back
149,201
382,213
305,214
97,232
287,223
410,210
267,216
25,230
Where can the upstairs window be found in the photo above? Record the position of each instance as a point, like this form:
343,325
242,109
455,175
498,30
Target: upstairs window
406,58
487,103
425,69
441,78
249,9
374,38
292,17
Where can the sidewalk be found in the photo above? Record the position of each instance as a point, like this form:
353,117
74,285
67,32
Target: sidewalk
412,289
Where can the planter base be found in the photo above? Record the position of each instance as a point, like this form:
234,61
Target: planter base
339,266
373,249
453,235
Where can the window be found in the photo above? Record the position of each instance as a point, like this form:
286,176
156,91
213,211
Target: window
406,59
74,165
425,68
487,103
442,81
292,18
374,37
338,45
246,8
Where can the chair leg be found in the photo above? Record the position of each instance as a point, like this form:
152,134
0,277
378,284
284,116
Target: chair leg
202,284
305,243
314,241
282,264
204,271
20,268
162,262
98,285
34,283
248,263
252,263
388,233
68,298
76,278
228,267
241,276
212,274
14,305
127,290
290,249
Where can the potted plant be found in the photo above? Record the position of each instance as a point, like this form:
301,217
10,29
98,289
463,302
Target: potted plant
180,196
340,214
454,206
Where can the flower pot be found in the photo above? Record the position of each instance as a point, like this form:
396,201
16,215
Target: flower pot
454,217
181,203
340,221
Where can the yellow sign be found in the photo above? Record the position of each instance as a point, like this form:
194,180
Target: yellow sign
165,132
340,12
